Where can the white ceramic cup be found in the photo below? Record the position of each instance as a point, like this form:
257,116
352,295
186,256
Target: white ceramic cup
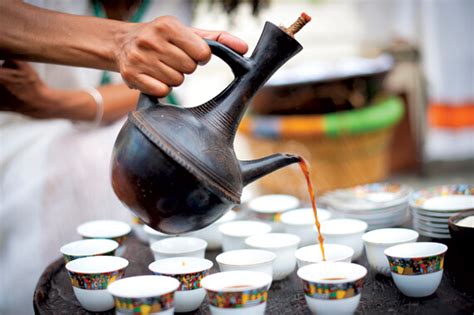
110,229
156,294
332,287
234,233
377,241
211,233
417,268
90,277
301,222
181,246
247,259
269,208
154,235
237,292
283,245
334,253
88,247
345,232
189,271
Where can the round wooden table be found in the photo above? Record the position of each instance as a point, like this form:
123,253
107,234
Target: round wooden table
54,295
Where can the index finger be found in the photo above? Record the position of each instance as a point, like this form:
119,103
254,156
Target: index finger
192,44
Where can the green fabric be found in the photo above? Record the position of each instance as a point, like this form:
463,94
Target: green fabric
382,114
171,99
137,17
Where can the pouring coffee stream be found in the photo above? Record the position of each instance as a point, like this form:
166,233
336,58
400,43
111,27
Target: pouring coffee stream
175,167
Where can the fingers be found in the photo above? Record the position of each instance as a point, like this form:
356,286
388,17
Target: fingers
155,56
149,85
172,56
225,38
9,76
182,37
21,65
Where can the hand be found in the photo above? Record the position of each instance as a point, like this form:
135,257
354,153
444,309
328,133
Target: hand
154,56
22,91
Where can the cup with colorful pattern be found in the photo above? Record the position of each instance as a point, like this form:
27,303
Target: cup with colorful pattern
237,292
247,259
189,271
269,208
144,295
301,222
109,229
154,235
377,241
234,233
332,287
312,254
181,246
90,277
283,245
86,248
417,268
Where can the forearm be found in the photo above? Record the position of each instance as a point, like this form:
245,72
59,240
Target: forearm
72,40
80,105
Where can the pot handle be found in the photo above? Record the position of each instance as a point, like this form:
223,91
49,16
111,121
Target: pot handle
238,63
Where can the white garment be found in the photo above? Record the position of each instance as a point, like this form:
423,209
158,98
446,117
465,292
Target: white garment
53,176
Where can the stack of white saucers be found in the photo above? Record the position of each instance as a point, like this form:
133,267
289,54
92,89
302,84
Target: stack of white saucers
381,205
432,207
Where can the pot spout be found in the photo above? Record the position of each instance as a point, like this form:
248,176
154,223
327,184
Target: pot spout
254,169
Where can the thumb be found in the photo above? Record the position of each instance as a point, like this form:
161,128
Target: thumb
225,38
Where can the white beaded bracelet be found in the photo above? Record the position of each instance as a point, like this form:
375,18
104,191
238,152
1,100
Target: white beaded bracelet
99,102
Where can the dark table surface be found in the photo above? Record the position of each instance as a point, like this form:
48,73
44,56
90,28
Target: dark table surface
54,294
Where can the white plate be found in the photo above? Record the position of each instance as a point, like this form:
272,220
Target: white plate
438,225
429,218
435,214
431,229
370,197
445,198
374,213
396,220
433,235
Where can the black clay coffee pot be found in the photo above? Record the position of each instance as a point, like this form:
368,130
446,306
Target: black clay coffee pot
175,167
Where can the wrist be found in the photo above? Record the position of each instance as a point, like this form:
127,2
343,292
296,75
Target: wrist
120,37
73,105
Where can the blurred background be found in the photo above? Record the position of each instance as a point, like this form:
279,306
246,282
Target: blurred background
357,54
382,91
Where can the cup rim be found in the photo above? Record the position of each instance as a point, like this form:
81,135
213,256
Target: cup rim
292,200
264,228
200,245
285,216
115,287
261,279
92,229
108,246
118,263
367,236
454,219
392,251
252,241
220,259
305,273
363,226
155,266
301,250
